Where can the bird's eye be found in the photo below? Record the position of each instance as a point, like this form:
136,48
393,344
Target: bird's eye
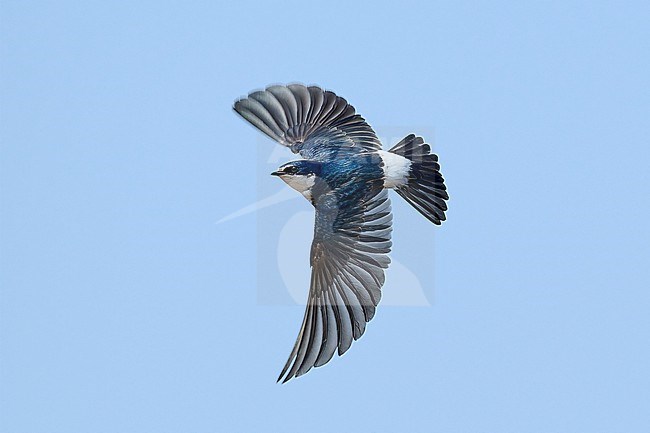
292,169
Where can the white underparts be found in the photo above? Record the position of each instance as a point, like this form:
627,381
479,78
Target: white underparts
396,169
300,183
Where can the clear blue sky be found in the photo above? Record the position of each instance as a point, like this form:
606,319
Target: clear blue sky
125,308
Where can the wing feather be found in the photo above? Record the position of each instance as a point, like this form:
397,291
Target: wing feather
308,120
288,102
330,335
348,261
316,340
274,108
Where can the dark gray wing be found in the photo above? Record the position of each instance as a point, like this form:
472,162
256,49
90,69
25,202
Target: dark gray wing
308,120
348,258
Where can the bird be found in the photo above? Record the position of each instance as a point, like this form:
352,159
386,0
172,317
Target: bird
346,175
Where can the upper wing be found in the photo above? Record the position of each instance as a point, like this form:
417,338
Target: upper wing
348,258
309,120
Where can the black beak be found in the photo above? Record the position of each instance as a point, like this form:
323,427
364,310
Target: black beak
276,173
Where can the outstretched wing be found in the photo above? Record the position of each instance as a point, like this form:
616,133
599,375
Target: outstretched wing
348,258
308,120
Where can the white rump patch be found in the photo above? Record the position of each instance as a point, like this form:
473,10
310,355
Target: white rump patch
396,169
300,183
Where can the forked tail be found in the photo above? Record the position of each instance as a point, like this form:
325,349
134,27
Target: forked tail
425,188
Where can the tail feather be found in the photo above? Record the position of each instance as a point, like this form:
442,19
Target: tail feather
425,189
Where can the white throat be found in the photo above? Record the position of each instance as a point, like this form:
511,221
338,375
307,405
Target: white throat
300,183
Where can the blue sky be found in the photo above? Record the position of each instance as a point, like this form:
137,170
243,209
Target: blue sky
125,307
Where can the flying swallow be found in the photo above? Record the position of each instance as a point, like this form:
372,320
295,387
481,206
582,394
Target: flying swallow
345,175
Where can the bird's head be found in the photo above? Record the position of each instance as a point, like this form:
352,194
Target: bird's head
299,175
